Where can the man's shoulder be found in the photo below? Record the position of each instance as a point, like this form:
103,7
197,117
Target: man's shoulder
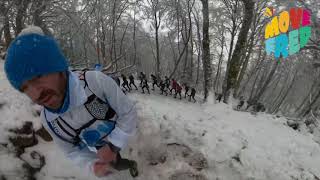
98,82
96,77
94,74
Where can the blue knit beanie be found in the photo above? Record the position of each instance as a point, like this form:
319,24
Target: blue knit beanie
31,55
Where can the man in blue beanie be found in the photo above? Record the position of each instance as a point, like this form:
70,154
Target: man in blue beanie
89,117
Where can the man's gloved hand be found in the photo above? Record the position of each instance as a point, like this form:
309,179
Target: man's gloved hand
105,154
101,168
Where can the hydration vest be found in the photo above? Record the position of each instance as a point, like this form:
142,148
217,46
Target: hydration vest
92,134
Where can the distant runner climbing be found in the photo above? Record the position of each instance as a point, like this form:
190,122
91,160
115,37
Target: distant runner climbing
163,87
131,78
154,81
142,76
125,83
192,95
145,85
178,90
186,89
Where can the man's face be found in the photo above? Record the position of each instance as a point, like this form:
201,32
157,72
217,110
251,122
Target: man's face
47,90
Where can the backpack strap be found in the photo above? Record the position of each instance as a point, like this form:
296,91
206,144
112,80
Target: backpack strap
82,77
57,134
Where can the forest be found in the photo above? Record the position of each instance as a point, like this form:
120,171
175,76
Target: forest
220,47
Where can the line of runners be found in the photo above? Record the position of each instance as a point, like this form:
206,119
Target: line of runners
165,86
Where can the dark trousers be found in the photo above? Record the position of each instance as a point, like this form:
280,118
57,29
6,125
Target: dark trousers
185,94
163,90
192,96
126,86
145,86
177,92
133,85
154,83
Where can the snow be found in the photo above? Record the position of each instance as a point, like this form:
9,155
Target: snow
16,108
236,145
13,169
31,30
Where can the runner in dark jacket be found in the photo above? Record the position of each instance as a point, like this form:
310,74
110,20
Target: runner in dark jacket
178,90
173,85
192,95
142,76
186,89
131,78
163,87
154,81
167,82
125,83
145,85
219,97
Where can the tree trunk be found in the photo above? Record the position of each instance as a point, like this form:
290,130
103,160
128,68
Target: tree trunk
206,50
254,84
21,12
306,98
157,26
225,81
6,29
158,53
121,41
134,35
198,45
240,47
85,52
233,34
187,24
260,58
180,56
186,55
98,44
244,67
307,109
216,81
269,100
266,83
191,59
277,107
40,6
103,44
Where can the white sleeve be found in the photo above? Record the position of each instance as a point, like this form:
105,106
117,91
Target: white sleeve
126,125
82,158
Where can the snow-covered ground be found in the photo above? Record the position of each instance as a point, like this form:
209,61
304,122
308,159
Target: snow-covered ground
178,140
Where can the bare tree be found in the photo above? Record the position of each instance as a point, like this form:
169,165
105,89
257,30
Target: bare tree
240,47
206,50
156,10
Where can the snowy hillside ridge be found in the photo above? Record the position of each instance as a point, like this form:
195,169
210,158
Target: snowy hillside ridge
176,140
